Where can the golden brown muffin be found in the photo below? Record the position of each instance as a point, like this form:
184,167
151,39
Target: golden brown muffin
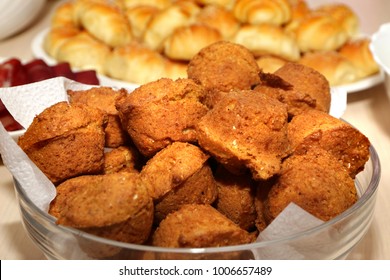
315,181
123,158
104,98
199,188
159,113
246,130
317,130
171,167
65,141
300,87
115,206
198,226
236,198
224,66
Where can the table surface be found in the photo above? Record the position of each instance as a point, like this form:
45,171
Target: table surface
368,110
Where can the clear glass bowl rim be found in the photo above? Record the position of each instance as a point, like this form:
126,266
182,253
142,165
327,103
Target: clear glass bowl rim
367,195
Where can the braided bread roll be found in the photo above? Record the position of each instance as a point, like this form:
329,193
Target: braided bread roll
139,17
262,11
159,4
58,36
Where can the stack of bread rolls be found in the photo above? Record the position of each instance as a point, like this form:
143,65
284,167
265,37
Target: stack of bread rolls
140,41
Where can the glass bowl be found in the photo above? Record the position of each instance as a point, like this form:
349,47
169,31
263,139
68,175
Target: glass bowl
337,236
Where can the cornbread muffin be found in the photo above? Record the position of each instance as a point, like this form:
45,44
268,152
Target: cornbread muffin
199,188
315,181
159,113
236,198
310,86
246,130
123,158
198,226
300,87
224,66
115,206
171,167
315,129
66,140
104,98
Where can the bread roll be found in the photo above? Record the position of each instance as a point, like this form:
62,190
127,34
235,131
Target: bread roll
219,18
139,17
344,15
58,36
84,52
319,31
358,52
63,15
275,12
336,68
264,39
228,4
187,41
135,63
166,21
160,4
105,22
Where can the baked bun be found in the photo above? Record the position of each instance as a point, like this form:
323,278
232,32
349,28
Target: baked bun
115,206
344,15
121,159
316,182
177,15
198,226
337,69
358,53
171,167
56,37
135,63
63,16
220,18
238,134
317,130
319,31
139,17
275,12
187,41
177,102
223,66
105,22
160,4
227,4
83,51
270,39
77,127
104,98
236,198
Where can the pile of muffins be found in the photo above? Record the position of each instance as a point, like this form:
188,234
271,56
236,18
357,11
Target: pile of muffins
140,41
204,161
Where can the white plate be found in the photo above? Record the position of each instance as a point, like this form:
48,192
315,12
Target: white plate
39,52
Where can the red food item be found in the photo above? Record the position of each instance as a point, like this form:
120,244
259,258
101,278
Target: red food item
63,70
87,77
12,73
37,70
9,123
